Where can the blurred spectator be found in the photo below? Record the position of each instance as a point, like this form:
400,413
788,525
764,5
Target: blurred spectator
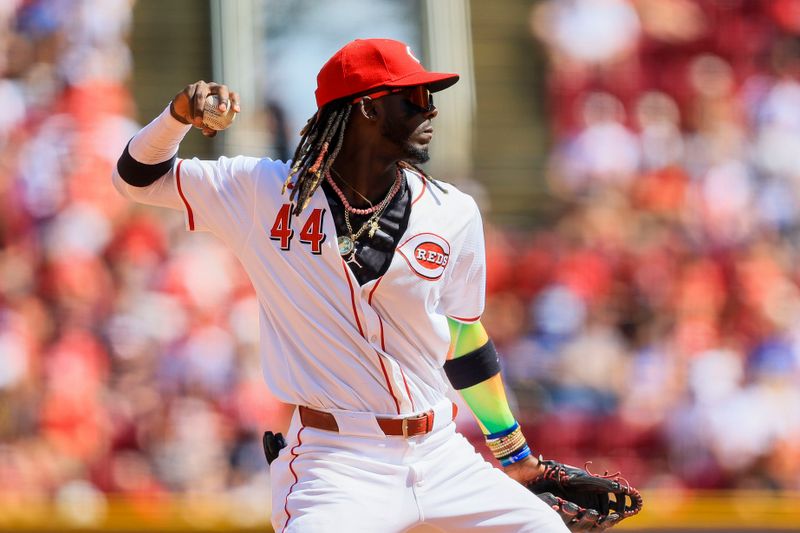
602,154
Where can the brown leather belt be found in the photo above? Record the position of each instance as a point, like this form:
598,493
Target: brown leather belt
406,427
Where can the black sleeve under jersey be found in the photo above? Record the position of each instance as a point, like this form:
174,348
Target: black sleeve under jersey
139,174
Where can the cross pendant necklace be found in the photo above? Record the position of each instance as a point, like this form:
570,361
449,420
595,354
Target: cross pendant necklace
347,243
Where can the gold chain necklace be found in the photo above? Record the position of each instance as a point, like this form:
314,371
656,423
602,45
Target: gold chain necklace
347,243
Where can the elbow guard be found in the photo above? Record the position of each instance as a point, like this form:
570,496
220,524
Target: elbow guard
475,367
139,174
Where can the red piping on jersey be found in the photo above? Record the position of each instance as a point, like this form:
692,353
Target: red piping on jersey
369,300
424,186
383,347
352,297
291,469
361,331
460,319
388,382
407,390
189,214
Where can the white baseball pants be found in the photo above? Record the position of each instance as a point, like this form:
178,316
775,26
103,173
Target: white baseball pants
369,483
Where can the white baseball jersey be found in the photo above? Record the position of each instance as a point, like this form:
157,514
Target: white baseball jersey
327,342
356,351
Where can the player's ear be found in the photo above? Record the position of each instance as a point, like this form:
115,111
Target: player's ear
367,108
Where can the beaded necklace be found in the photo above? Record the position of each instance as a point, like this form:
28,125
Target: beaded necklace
368,211
344,181
347,243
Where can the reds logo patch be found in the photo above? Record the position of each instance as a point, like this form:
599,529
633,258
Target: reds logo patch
427,254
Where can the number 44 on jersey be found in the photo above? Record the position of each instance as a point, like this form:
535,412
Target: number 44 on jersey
311,234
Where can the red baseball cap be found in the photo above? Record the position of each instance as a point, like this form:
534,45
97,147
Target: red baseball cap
366,64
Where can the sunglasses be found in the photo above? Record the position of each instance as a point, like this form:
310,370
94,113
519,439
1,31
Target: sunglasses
420,97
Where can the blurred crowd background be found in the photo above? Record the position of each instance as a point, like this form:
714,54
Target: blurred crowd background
123,369
657,317
651,323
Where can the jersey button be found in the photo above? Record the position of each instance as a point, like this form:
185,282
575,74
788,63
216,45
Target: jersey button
374,338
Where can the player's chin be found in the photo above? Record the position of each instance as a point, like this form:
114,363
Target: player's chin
417,153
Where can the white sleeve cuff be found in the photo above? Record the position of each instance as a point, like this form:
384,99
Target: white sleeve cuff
159,140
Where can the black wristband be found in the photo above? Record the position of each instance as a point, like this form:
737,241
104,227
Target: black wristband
475,367
139,174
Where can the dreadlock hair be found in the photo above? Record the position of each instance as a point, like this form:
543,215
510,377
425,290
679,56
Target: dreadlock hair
320,141
313,157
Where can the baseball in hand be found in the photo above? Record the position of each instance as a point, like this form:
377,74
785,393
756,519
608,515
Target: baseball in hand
214,118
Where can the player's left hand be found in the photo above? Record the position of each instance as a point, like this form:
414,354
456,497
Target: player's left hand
525,471
585,501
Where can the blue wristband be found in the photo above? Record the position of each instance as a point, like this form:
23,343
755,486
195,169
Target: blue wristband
517,457
503,433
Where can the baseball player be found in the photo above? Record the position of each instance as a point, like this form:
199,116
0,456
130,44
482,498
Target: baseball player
370,277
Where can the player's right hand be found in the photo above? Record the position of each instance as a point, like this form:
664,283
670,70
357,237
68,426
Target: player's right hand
187,106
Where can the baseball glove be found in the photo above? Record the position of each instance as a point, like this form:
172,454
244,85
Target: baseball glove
586,501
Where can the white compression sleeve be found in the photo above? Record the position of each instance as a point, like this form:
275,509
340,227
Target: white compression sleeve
155,143
159,140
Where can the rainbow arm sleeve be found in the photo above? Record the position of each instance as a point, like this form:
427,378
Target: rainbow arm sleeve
487,400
